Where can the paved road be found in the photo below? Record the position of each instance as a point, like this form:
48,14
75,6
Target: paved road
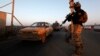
55,46
92,43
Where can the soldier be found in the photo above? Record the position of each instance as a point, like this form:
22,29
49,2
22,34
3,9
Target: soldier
77,19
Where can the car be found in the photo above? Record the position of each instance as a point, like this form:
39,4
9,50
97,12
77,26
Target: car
37,31
87,27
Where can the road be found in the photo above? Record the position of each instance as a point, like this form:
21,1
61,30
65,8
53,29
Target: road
54,46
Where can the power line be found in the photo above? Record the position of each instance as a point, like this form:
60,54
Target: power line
5,5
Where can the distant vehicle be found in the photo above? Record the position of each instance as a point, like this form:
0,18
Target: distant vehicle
97,28
87,27
37,31
56,26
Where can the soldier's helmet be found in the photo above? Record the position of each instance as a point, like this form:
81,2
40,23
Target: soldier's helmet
77,5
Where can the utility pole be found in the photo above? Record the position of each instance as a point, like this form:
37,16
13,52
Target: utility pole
71,6
13,2
71,3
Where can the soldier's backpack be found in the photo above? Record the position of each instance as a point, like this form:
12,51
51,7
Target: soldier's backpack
83,16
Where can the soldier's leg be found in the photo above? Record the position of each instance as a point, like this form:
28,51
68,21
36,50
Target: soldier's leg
70,30
78,45
77,40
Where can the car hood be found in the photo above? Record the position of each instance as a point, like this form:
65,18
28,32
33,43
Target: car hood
30,29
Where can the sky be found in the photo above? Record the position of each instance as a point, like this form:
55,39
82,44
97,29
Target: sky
30,11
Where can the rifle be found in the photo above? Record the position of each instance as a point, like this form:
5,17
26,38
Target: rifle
71,3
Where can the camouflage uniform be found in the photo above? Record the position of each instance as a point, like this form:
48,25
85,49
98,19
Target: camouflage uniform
76,30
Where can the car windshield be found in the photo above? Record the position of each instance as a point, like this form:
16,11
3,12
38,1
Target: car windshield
40,24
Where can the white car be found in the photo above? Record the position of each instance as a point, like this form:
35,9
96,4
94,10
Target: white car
87,27
37,31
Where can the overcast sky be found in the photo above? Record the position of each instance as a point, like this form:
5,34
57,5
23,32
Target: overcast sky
29,11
